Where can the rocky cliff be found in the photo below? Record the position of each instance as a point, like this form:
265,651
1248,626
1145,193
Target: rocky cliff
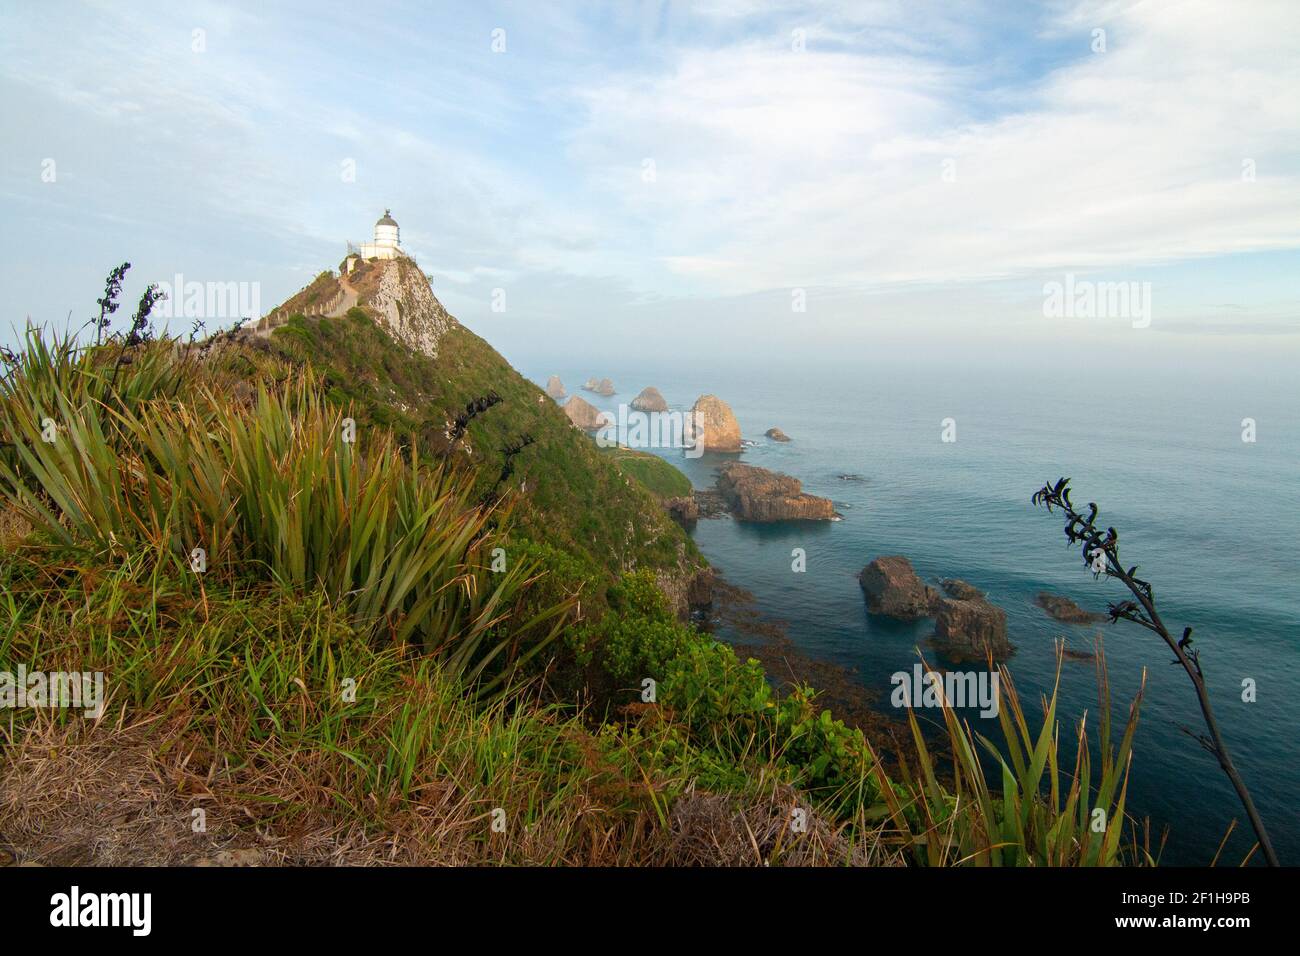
397,295
756,494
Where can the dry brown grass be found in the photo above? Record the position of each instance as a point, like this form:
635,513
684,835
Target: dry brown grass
14,528
94,794
97,795
708,829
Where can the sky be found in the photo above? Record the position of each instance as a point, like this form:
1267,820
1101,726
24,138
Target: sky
769,178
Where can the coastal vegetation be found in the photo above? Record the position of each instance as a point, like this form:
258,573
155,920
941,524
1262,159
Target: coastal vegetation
329,624
656,475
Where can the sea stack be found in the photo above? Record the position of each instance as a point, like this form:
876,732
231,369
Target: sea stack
554,387
650,400
776,434
583,414
716,428
756,494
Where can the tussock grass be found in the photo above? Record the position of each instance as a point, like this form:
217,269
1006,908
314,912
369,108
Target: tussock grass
1032,812
236,704
275,489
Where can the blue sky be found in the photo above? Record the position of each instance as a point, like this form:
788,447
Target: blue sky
919,170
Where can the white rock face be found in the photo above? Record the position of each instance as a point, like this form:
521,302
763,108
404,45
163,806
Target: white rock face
405,303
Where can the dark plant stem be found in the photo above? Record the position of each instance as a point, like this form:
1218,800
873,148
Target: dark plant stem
1084,529
1215,744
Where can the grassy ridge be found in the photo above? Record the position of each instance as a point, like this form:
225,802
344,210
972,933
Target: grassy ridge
657,476
573,497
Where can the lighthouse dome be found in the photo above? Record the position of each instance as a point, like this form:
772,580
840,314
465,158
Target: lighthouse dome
388,240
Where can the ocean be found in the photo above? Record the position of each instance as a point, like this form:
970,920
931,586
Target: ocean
1213,522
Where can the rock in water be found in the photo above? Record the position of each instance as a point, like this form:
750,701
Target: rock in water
583,414
650,400
776,434
965,622
972,625
961,590
602,387
715,427
893,589
756,494
1064,610
554,387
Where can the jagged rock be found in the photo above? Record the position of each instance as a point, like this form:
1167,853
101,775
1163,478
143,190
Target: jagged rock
1063,609
686,593
776,434
710,503
699,593
650,400
397,293
756,494
892,588
685,511
971,625
554,387
715,426
583,414
603,387
961,590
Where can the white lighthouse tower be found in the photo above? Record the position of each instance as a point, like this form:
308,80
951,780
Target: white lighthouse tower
387,244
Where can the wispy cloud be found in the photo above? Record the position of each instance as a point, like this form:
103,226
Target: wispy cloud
650,153
830,167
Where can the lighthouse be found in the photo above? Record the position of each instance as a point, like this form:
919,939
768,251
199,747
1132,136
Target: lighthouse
388,243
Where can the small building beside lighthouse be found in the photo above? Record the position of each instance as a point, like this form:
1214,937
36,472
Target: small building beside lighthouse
388,241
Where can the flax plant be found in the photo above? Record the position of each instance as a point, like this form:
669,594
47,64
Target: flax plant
1032,812
274,489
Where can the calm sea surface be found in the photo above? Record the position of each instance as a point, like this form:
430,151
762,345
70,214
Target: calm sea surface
1214,523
